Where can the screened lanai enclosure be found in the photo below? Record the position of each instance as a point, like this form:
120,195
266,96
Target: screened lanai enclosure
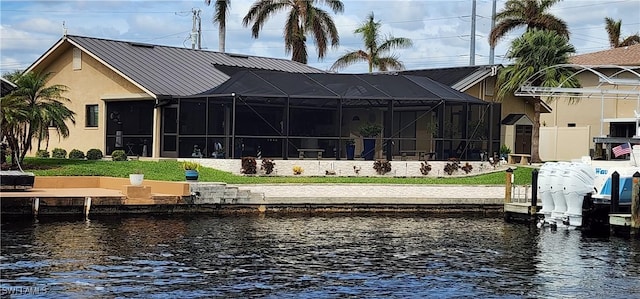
273,114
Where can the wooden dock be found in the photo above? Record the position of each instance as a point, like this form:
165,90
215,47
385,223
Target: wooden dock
521,202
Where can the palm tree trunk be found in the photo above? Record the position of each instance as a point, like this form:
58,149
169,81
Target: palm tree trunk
222,35
26,143
535,132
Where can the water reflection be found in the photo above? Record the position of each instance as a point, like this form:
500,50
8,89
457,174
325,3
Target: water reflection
393,256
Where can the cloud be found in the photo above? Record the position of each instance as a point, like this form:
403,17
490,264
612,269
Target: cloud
440,29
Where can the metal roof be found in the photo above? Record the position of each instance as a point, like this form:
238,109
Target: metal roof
164,70
459,78
353,89
7,86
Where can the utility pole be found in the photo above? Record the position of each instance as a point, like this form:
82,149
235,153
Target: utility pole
472,48
493,24
196,29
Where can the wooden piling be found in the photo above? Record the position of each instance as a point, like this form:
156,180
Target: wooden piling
508,184
635,205
615,192
534,192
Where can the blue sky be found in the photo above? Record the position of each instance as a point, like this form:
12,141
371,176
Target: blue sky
440,30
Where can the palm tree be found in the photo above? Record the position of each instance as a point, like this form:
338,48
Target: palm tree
529,13
613,30
303,18
536,50
220,17
375,49
36,108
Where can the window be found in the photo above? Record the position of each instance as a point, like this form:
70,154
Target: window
92,116
77,59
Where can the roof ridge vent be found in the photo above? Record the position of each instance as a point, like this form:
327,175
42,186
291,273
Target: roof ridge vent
142,45
237,55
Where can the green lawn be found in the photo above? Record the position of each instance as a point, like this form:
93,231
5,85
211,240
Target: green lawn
172,171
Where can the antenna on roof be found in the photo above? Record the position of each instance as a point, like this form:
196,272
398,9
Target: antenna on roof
64,29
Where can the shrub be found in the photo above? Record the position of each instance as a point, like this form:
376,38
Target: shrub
267,166
76,154
297,170
249,165
467,167
451,167
118,155
425,168
382,166
59,153
94,154
42,154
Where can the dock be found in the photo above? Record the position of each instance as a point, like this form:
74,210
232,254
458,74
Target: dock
521,202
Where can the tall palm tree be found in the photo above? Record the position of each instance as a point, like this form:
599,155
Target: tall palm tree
38,108
303,18
613,30
375,49
529,13
536,50
220,17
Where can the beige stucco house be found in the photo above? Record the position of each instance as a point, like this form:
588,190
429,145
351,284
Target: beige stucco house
604,115
117,88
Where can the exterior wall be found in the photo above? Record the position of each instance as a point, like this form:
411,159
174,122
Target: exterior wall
588,111
564,143
161,187
89,85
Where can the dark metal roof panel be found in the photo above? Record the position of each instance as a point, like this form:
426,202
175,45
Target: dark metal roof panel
513,118
177,71
448,76
7,86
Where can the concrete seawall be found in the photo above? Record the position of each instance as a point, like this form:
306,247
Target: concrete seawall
217,198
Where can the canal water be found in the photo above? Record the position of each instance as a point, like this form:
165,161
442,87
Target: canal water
310,256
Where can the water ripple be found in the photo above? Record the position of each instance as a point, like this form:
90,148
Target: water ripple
373,256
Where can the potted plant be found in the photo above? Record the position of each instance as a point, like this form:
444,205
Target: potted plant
351,149
368,133
136,178
504,151
191,170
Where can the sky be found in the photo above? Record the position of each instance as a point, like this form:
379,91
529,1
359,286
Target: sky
440,30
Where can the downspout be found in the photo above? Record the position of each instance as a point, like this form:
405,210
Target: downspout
233,126
286,128
339,146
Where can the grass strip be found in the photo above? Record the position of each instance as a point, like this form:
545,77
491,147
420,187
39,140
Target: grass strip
171,170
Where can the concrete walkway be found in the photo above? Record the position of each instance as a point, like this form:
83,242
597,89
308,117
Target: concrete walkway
377,194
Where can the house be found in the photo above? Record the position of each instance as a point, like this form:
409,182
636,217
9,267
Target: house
511,117
159,101
117,88
604,115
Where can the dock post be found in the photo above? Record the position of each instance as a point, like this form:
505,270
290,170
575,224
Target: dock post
635,205
35,206
87,207
615,192
508,184
534,192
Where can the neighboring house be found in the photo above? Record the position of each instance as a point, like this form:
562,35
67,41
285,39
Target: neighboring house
7,86
604,117
511,117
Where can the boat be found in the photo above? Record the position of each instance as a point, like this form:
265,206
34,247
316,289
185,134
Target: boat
563,187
